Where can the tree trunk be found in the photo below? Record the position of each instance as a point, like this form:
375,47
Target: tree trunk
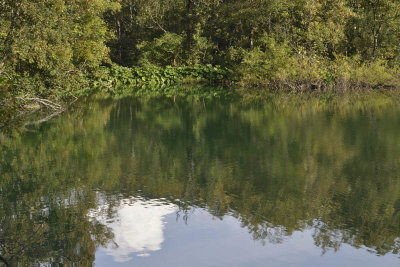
190,26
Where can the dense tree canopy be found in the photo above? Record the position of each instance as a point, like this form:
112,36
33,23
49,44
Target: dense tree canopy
307,40
319,28
48,46
45,43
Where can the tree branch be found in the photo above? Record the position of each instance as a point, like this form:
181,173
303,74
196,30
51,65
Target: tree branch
42,101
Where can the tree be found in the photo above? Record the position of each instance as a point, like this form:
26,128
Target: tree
43,44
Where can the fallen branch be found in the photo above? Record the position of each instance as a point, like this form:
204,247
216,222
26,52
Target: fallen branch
42,101
49,117
52,115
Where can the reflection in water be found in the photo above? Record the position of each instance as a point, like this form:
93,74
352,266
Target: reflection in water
137,226
275,171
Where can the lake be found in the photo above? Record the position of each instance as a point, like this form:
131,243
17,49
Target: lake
204,182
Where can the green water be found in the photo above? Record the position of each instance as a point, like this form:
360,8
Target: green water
204,183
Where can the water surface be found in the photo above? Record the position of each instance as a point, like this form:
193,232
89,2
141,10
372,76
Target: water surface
204,183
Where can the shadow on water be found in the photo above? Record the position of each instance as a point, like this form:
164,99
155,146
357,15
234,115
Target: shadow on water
275,169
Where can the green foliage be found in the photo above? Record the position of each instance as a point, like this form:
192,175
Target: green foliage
280,43
262,64
44,45
201,49
326,26
49,48
374,74
122,80
340,74
163,51
373,32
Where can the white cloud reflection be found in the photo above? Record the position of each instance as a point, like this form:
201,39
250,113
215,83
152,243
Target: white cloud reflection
137,226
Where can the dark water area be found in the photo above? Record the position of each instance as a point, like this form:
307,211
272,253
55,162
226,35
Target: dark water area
203,183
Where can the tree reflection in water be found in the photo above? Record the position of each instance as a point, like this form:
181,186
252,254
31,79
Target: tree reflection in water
276,169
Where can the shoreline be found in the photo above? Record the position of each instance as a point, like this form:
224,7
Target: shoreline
19,114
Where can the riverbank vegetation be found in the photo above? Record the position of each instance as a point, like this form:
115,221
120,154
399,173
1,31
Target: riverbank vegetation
60,50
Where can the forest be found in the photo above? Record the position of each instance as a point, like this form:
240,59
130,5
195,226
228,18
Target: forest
59,50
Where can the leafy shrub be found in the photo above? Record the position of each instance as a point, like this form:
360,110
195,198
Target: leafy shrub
373,74
263,63
351,73
305,73
166,50
117,79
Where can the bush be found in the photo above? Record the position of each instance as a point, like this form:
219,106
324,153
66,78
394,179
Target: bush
305,73
350,73
262,64
166,50
301,73
117,79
